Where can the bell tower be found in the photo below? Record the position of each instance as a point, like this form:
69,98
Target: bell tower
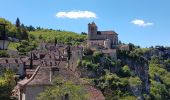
92,31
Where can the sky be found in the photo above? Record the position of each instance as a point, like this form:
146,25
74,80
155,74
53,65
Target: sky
141,22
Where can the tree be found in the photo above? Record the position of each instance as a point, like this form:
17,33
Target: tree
17,24
26,46
64,89
30,28
7,83
126,71
24,33
83,33
3,53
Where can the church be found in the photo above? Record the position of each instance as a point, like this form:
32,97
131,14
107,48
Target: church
104,41
101,39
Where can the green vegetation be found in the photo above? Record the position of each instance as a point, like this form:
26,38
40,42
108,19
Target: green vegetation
7,83
15,31
3,53
114,77
26,46
13,45
57,36
62,89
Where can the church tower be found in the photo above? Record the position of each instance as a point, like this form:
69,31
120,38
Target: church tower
92,31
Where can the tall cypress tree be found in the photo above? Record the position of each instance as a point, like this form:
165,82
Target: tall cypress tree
17,24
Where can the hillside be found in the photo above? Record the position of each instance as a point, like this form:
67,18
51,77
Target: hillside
136,74
58,36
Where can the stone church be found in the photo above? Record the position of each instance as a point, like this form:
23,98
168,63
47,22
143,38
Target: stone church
104,39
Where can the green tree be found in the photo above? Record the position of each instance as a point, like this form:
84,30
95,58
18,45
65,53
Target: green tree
26,46
24,33
3,53
62,89
17,24
7,83
126,71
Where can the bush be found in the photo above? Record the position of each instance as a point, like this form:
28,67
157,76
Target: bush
3,53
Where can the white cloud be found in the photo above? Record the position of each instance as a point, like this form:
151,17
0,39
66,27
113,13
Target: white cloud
76,14
140,22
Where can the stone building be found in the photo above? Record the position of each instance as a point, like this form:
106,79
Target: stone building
104,41
107,39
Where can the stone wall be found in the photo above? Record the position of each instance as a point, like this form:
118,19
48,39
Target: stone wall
6,43
31,92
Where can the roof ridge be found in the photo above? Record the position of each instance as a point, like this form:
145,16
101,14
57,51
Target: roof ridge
33,76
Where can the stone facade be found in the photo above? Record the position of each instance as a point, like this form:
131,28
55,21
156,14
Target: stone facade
96,37
104,41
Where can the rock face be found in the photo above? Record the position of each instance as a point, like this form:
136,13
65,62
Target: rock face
157,52
141,70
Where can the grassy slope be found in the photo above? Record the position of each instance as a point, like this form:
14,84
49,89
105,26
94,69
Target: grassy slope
61,36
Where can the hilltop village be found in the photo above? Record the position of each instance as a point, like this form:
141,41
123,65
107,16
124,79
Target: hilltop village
35,71
106,68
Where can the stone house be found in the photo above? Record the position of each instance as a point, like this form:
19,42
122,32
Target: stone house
28,89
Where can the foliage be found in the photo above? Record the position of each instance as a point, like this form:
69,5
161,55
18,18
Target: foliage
135,81
6,84
26,46
158,91
58,36
125,71
3,53
129,98
16,31
63,89
13,45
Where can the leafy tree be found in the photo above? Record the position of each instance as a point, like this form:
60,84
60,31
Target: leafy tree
24,33
30,28
155,60
3,53
158,91
18,26
62,89
135,81
126,71
26,46
7,83
167,64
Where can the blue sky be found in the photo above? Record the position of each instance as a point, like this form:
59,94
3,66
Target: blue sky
142,22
